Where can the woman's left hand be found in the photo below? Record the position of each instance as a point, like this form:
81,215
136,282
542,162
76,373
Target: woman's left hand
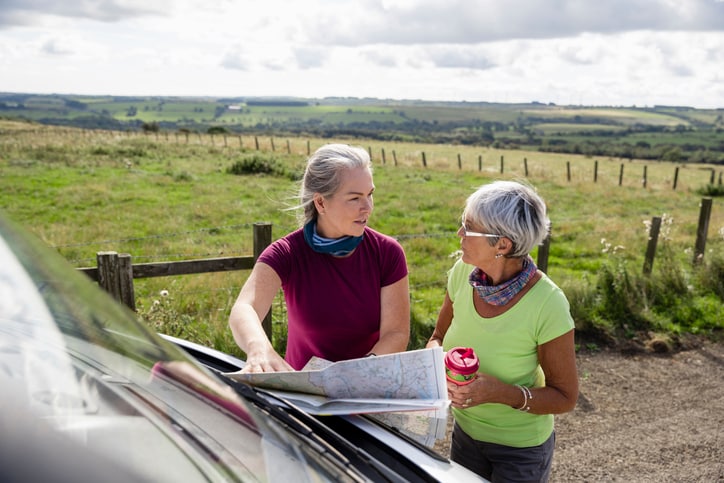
477,392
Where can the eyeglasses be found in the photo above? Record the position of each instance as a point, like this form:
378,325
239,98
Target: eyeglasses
467,232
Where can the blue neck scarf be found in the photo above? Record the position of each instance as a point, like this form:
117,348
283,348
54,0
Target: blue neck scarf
337,247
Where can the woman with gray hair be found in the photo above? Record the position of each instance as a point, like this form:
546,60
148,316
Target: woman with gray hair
519,325
345,285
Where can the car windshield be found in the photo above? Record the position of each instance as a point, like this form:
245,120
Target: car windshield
86,367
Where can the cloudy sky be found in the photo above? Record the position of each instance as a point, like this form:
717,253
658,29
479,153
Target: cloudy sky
581,52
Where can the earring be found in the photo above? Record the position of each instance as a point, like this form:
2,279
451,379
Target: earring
498,255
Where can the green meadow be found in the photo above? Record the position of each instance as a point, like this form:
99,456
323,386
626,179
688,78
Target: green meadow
165,196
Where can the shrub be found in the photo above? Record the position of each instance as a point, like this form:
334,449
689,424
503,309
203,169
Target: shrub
711,190
258,164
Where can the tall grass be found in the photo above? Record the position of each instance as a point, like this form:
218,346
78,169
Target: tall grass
166,197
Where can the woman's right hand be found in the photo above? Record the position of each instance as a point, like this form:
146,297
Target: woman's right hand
268,361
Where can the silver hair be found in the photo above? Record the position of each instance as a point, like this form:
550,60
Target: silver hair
511,209
323,174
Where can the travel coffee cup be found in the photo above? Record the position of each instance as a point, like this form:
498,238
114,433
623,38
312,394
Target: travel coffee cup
461,365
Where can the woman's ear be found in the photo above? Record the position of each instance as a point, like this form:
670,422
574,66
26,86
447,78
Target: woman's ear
318,203
505,245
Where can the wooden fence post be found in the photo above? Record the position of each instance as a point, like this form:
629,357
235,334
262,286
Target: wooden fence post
394,157
480,162
107,273
651,247
702,229
620,175
289,147
543,252
595,171
115,276
676,177
502,164
525,166
262,239
460,162
645,180
424,160
568,171
384,160
125,282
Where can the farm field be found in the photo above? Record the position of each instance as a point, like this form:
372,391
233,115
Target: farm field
170,196
671,133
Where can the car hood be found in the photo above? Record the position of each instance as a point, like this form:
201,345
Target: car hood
81,365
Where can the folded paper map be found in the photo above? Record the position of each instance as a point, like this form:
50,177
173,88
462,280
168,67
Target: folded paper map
404,381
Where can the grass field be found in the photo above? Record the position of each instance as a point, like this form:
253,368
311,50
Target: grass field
166,197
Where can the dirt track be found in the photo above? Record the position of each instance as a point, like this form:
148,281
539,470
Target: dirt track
644,418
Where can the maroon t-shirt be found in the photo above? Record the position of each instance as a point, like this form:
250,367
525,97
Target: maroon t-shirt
333,304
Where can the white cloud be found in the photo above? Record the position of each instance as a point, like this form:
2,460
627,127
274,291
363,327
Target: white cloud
619,52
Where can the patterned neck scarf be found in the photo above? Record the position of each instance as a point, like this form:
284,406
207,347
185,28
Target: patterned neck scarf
337,247
503,293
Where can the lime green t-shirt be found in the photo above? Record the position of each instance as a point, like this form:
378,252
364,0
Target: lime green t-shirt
507,348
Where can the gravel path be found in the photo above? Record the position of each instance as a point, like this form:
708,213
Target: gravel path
644,418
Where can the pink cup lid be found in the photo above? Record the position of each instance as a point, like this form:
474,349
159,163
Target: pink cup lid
462,360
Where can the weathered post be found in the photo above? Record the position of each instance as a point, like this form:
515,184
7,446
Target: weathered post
125,281
115,276
702,229
645,180
595,171
262,239
108,273
651,247
543,252
676,177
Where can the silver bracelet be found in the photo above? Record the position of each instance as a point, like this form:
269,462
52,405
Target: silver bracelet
530,397
526,393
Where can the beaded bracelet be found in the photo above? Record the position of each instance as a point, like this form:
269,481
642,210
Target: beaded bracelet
527,396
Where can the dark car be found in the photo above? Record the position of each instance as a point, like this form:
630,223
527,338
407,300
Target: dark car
89,393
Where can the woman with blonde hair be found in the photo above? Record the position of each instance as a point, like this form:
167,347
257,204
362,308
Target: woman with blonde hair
345,285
